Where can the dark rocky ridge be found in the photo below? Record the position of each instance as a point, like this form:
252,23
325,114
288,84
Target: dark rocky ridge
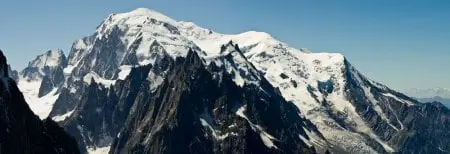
13,74
99,113
23,132
130,108
169,120
68,99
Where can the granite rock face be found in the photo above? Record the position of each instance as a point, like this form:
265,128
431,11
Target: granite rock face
99,112
13,74
199,110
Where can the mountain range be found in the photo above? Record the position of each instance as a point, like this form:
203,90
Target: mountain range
145,83
429,93
444,101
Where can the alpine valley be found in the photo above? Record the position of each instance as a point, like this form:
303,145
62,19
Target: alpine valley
145,83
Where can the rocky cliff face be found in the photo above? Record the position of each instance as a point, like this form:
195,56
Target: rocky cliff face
47,69
23,132
219,110
108,104
197,110
13,74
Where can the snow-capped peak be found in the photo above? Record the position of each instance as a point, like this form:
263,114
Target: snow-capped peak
137,17
132,33
147,13
44,64
51,58
148,24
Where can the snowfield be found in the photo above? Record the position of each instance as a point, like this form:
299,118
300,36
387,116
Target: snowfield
40,106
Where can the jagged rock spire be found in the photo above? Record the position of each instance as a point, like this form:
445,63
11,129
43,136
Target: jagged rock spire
3,65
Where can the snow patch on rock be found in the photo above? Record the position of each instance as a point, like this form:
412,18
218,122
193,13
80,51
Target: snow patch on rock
94,76
40,106
124,72
265,137
63,116
99,150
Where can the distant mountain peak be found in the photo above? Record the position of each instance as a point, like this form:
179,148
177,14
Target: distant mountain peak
50,58
135,18
44,64
429,93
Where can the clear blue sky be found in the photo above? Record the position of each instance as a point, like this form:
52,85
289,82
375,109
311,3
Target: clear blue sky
401,43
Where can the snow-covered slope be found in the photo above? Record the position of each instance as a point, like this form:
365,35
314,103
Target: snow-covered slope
41,106
351,111
40,80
